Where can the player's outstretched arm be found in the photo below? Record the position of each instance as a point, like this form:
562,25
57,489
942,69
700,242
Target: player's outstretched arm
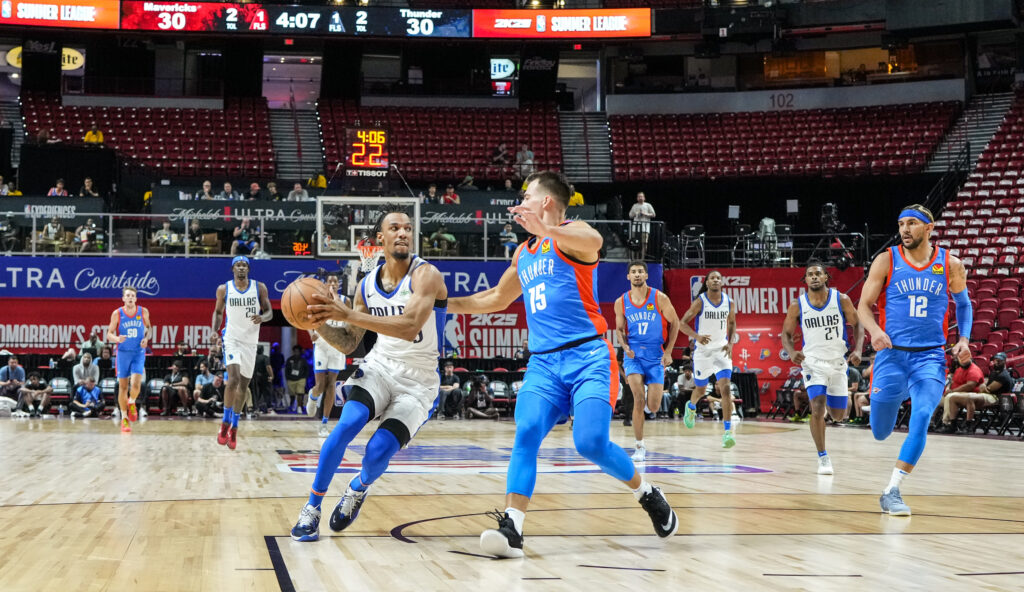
789,330
669,312
857,347
218,314
427,287
493,299
620,327
869,296
345,338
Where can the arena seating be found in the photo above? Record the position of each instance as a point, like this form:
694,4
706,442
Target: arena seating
207,143
446,144
879,140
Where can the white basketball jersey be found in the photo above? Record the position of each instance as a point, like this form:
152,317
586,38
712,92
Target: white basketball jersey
824,328
238,310
714,321
422,352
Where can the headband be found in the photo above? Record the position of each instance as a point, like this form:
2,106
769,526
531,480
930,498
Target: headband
241,258
914,214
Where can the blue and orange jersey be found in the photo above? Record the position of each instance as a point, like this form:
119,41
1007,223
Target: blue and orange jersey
133,327
645,325
914,302
560,295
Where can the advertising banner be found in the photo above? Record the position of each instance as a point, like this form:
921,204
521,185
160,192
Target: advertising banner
762,297
562,24
70,211
75,14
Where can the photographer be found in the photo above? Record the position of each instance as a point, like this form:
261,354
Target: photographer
480,400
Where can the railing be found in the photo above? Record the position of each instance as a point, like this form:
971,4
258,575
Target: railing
773,250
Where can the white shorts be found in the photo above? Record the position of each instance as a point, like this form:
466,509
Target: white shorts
241,354
326,358
707,365
828,373
401,392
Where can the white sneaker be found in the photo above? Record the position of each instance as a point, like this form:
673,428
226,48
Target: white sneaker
19,414
640,455
324,430
825,465
312,404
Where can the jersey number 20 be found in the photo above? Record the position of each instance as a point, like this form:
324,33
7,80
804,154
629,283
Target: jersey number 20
919,307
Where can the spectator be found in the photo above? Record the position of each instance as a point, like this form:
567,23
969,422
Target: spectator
182,350
208,399
206,192
254,192
861,74
106,359
508,240
575,198
431,196
88,189
214,359
88,399
296,373
450,197
862,398
317,181
272,193
966,378
999,382
524,162
298,193
85,370
261,380
175,387
641,214
12,189
195,232
500,154
480,400
85,235
277,364
203,378
94,136
12,377
58,190
451,395
8,232
228,193
4,190
54,230
442,234
509,187
853,380
45,136
245,237
467,184
164,236
681,393
34,390
523,353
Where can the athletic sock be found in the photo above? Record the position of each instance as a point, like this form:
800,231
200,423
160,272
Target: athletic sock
518,517
690,405
640,444
357,484
324,421
822,453
727,425
643,490
227,416
316,498
896,479
234,418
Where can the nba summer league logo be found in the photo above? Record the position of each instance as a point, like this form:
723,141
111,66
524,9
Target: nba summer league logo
476,460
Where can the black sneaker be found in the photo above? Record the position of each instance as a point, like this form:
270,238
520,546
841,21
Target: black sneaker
664,519
347,510
627,422
503,542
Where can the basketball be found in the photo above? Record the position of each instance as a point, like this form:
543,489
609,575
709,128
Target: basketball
295,298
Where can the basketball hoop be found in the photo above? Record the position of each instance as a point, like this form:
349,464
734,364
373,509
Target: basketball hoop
369,254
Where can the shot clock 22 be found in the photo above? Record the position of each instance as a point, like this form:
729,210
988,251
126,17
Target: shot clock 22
366,148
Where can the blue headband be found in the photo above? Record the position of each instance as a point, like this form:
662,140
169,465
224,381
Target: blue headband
241,258
914,214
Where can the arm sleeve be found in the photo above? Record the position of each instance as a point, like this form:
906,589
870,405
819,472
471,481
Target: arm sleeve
964,314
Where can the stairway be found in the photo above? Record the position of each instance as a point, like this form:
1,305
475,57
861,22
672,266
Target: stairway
977,124
11,113
586,151
290,168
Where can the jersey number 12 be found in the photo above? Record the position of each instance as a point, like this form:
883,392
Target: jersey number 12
919,307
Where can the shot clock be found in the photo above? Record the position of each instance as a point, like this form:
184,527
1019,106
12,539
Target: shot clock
367,159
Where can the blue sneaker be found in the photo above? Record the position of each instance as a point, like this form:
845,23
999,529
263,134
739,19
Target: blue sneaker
892,503
308,526
347,510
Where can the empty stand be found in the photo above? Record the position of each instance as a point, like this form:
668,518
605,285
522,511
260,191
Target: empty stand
207,143
445,144
881,140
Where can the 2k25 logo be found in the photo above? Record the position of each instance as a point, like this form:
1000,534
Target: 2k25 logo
493,320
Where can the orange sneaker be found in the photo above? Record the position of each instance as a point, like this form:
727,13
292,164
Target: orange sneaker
125,426
133,414
222,436
233,438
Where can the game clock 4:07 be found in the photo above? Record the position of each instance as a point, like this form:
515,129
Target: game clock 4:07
366,148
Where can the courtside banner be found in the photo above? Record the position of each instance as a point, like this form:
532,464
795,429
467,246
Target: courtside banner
562,24
76,14
762,297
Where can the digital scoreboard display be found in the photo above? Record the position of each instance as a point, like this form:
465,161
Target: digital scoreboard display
143,15
73,14
366,148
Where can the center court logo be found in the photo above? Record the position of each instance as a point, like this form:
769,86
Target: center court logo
476,460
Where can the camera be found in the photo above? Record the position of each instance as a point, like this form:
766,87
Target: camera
830,219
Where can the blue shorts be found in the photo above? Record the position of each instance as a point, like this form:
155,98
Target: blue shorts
567,377
649,367
895,370
129,362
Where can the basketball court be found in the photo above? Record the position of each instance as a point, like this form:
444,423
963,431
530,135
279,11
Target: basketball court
86,507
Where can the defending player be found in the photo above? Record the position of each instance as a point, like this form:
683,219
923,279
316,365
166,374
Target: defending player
130,330
821,314
328,362
647,326
712,352
911,283
242,304
572,371
404,302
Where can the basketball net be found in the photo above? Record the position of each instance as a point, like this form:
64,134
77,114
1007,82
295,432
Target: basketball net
369,254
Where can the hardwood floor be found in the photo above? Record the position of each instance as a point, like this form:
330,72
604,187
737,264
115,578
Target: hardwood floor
84,507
